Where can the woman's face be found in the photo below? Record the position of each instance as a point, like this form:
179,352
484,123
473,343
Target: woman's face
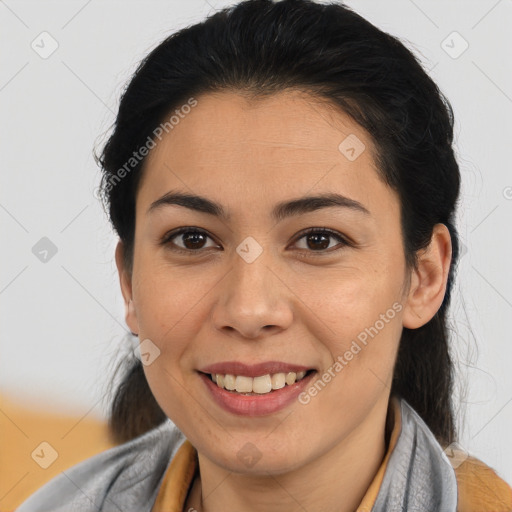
251,287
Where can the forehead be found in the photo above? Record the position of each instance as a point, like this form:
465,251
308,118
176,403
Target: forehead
289,123
283,145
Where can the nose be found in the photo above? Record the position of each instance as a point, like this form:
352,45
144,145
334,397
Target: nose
253,300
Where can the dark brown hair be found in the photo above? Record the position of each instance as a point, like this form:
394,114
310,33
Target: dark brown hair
257,48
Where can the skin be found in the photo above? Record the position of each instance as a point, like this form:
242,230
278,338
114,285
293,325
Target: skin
202,309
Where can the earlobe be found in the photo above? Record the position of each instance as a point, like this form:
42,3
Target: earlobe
125,281
130,316
428,280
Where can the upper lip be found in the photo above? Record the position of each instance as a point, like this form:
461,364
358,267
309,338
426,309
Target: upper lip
253,370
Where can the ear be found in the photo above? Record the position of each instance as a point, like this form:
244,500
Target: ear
125,280
428,281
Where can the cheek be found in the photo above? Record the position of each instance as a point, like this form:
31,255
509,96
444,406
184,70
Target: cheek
359,313
169,391
167,297
365,328
350,298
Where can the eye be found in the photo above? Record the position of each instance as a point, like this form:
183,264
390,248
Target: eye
316,240
192,238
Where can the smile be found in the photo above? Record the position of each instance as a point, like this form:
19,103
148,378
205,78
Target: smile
256,396
260,385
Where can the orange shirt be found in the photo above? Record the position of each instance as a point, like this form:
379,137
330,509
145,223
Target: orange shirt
480,489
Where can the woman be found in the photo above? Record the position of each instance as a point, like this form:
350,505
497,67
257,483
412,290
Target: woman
283,184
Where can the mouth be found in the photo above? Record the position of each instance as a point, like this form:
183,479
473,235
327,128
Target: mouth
257,386
259,395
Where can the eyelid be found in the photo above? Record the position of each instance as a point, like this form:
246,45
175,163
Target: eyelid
343,240
166,239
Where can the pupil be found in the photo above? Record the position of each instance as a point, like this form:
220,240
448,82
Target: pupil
194,238
317,236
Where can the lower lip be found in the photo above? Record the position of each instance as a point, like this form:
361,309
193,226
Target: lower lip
256,405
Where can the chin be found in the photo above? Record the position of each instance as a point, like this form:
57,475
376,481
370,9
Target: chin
254,459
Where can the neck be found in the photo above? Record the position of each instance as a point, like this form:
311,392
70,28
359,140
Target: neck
336,481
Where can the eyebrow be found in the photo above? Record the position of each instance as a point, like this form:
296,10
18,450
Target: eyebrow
280,211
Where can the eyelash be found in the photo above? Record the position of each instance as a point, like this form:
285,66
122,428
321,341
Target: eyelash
166,240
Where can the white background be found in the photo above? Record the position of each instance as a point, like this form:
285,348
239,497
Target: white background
63,320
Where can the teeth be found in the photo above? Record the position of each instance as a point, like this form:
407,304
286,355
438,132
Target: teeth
262,384
259,385
290,378
278,380
243,384
229,382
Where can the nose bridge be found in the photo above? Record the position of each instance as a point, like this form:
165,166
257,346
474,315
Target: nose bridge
251,285
251,272
252,297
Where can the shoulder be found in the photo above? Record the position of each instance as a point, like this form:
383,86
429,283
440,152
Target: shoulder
125,477
479,488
